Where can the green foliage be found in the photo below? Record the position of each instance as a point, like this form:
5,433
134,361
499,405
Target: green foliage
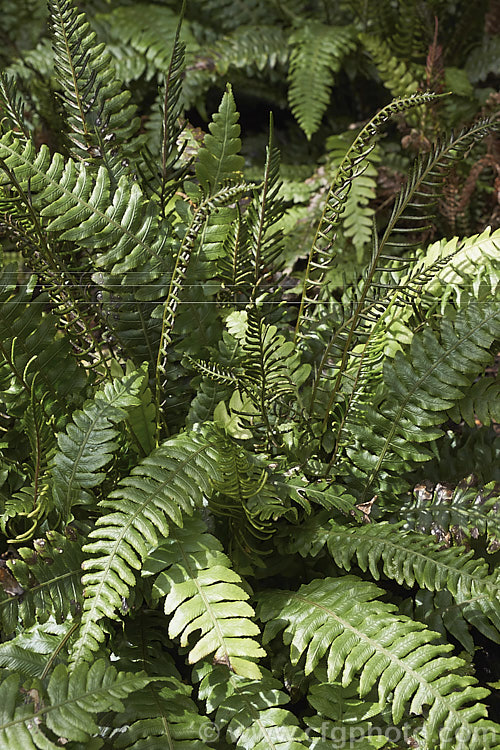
245,373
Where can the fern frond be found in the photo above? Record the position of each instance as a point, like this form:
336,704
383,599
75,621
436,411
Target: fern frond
12,106
172,110
142,37
481,401
82,207
30,346
316,55
411,558
219,160
211,203
203,593
167,717
166,485
48,578
254,46
99,119
341,620
416,202
467,511
472,265
88,442
321,255
73,703
36,650
263,214
400,78
423,385
250,710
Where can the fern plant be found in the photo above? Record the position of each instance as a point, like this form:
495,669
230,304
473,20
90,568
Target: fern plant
231,454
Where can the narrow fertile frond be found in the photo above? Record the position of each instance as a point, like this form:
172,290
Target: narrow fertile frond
262,216
172,108
88,442
415,205
13,107
211,203
342,621
167,484
70,709
322,253
203,593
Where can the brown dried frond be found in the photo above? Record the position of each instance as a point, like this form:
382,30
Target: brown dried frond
448,205
492,18
434,67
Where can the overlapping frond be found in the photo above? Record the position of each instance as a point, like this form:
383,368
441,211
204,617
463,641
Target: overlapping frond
89,440
67,710
203,593
421,387
322,253
166,717
81,206
99,119
398,76
250,710
167,484
411,558
341,621
45,581
467,511
30,346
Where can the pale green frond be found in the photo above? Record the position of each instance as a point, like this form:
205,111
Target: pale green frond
70,709
203,595
341,621
164,487
219,160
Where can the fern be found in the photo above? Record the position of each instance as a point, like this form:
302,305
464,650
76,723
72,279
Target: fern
343,621
317,53
87,445
97,114
72,702
226,375
249,710
206,595
155,491
47,581
219,160
410,558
